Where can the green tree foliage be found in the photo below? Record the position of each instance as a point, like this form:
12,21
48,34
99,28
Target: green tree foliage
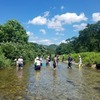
89,38
4,62
51,48
12,31
14,43
65,48
87,41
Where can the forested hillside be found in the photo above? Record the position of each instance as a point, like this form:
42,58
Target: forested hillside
87,41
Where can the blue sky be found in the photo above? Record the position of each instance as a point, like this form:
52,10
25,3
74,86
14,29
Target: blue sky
50,21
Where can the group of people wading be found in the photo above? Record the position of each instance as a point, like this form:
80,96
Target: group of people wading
38,62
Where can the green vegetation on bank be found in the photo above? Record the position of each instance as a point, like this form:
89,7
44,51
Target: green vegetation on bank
88,58
87,44
14,43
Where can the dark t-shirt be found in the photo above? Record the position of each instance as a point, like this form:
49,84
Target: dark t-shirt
69,59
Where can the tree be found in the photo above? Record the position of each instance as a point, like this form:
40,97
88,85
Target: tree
12,31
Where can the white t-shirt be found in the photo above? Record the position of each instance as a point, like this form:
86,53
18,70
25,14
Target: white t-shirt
20,61
80,60
38,62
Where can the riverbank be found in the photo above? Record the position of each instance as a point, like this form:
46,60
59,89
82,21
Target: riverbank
90,59
94,66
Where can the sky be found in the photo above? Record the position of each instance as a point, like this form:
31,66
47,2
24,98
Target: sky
50,21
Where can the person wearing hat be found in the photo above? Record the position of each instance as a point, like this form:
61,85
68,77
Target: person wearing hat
37,63
20,62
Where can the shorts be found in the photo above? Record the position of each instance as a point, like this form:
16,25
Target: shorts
54,65
20,65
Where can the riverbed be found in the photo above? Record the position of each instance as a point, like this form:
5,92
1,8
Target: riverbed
77,83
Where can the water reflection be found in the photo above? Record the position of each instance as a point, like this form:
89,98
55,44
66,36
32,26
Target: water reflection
80,70
70,71
37,73
19,73
55,74
80,67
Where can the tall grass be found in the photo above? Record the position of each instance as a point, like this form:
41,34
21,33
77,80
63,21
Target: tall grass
3,61
88,58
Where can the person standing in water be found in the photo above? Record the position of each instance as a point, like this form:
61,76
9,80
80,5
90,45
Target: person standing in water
57,59
37,63
41,60
69,61
62,58
80,61
55,62
49,60
20,62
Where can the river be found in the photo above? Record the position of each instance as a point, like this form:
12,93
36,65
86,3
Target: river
48,84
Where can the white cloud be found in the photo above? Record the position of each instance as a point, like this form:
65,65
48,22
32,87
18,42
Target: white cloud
32,37
63,41
62,7
69,18
35,39
96,16
55,39
60,34
44,41
80,27
47,41
43,31
58,21
38,40
57,25
38,21
46,14
29,33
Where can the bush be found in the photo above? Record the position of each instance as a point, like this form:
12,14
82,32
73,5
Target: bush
3,61
88,58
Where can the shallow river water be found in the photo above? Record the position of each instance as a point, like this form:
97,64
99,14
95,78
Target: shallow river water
48,84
